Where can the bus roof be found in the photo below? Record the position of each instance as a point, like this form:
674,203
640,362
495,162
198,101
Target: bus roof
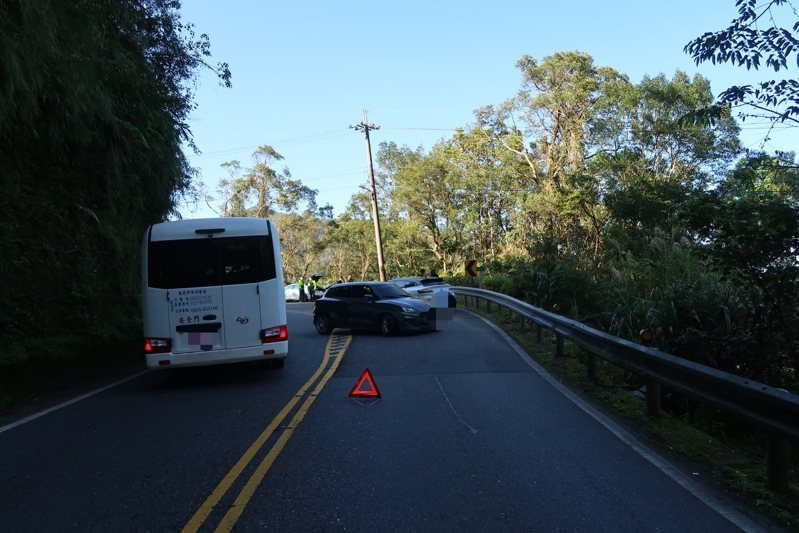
203,227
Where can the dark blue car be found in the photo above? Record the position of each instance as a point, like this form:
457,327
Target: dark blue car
371,305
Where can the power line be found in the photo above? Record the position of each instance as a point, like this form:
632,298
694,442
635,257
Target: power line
338,133
343,188
336,175
312,137
422,129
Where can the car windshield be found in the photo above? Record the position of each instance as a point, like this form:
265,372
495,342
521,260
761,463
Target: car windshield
388,290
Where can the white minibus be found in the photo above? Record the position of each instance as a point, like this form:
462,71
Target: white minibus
213,293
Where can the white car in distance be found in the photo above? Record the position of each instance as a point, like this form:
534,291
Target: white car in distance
292,292
434,291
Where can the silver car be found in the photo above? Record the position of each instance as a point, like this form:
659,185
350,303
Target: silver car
292,292
428,290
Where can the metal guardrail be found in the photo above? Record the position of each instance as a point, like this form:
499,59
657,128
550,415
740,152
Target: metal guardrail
775,410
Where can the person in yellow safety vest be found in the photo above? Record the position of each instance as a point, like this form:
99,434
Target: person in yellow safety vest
312,289
301,287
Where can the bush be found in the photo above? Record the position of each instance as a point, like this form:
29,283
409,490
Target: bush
695,312
13,354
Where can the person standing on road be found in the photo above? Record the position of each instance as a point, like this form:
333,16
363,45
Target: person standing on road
312,289
301,287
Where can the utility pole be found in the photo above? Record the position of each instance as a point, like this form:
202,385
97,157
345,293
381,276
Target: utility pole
365,127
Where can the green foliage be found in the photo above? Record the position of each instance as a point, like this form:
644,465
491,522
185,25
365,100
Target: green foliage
350,248
561,98
546,283
750,220
686,304
13,354
744,43
674,148
301,242
405,249
498,283
692,307
749,228
262,189
663,161
94,98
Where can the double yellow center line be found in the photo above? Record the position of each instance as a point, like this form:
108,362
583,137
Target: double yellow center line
334,351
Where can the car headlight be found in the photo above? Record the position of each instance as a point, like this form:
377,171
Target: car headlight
409,310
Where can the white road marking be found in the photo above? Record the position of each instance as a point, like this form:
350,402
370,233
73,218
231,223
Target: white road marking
472,430
68,402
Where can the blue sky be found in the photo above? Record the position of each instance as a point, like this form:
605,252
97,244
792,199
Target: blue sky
303,72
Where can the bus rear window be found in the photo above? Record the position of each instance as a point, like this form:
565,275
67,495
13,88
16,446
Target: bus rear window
210,262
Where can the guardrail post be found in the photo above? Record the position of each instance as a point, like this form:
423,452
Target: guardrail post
538,333
558,345
779,463
522,322
477,302
652,397
488,306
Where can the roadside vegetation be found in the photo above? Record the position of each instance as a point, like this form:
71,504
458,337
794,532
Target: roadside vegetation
629,205
94,103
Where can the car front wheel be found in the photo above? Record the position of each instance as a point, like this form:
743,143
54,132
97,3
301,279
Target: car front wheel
388,326
322,324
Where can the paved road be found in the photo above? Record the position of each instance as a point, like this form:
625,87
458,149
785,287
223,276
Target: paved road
467,436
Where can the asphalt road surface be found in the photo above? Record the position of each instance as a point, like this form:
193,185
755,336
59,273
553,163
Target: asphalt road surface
466,436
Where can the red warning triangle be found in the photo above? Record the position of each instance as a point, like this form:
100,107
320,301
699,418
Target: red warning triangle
366,387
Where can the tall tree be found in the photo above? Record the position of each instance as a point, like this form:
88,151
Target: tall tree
262,189
565,107
659,159
350,244
429,192
559,100
407,249
301,237
390,159
491,179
